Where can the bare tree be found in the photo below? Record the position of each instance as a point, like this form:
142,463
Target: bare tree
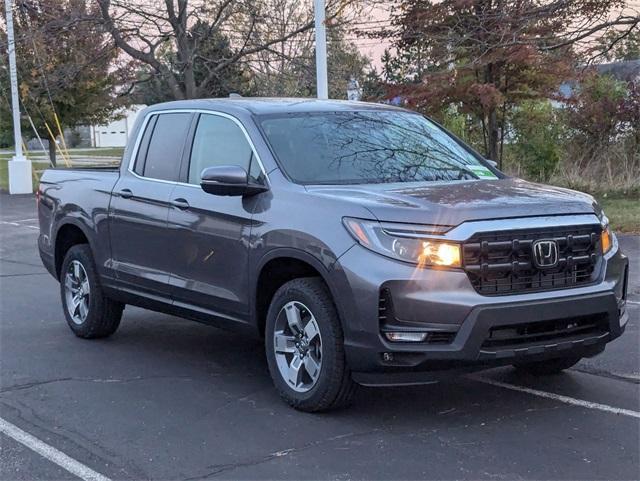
144,30
277,69
288,69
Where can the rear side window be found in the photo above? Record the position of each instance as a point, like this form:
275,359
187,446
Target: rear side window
218,141
165,146
138,168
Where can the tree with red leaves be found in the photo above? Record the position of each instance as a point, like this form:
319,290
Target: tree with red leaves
486,56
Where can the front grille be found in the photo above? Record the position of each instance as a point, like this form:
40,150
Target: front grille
539,332
500,263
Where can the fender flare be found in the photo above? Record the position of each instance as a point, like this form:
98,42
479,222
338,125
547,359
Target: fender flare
298,254
75,222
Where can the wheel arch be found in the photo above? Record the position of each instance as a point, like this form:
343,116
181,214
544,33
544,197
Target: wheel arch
278,267
68,234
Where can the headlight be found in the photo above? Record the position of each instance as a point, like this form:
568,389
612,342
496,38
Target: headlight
391,243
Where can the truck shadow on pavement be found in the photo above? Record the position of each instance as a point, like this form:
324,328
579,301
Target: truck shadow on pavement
159,345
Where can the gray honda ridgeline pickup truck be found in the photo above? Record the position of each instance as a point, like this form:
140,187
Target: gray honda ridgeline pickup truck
364,243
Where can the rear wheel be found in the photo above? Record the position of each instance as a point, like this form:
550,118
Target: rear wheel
305,347
88,312
551,366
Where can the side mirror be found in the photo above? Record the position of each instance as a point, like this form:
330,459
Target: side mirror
228,180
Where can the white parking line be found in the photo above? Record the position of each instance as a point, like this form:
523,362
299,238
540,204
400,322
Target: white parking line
15,224
559,397
49,452
635,303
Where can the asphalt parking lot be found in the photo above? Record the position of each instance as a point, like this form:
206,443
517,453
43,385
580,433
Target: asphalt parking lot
170,399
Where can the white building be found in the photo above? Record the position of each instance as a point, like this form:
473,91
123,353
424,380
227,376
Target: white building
116,133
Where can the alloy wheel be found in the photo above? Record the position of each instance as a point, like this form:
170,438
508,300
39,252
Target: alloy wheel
298,346
77,291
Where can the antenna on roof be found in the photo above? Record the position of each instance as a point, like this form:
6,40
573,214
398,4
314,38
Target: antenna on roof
234,95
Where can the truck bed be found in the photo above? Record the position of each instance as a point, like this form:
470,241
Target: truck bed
83,193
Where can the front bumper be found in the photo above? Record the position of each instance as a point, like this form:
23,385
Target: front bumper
445,302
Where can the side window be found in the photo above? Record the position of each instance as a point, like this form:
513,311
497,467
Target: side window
218,141
256,175
144,145
165,147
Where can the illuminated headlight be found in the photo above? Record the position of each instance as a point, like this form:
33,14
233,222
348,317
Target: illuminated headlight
423,252
440,254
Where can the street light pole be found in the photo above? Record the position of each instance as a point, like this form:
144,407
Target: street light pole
19,167
321,50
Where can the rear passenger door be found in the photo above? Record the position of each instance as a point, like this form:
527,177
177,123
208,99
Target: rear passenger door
141,245
212,232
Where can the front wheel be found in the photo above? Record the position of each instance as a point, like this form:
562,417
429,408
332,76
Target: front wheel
551,366
305,347
88,312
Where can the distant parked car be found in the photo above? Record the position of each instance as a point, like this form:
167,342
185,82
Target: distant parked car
366,244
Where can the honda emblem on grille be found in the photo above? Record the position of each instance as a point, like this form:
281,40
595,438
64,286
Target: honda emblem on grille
545,254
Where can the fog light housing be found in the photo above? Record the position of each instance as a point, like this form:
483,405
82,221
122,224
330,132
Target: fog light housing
406,336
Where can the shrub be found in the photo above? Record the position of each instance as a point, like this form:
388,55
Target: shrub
537,139
464,126
597,113
603,148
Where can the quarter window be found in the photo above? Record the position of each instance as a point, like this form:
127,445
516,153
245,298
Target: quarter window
144,146
219,141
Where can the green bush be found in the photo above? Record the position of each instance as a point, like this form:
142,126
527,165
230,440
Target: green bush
463,126
537,139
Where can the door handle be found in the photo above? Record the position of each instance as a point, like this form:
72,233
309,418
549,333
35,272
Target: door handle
126,193
181,204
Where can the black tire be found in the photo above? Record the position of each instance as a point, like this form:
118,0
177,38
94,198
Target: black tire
545,368
103,315
333,387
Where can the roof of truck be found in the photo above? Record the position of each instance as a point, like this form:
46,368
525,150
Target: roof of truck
266,106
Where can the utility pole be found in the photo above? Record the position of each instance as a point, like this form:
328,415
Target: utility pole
321,50
19,167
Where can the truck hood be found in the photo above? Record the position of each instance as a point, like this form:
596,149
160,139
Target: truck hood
451,203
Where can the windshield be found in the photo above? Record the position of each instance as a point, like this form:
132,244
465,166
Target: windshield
368,147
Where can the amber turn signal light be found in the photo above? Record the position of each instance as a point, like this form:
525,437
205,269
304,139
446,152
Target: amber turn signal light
605,240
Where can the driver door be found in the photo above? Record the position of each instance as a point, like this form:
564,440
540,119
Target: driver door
211,250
